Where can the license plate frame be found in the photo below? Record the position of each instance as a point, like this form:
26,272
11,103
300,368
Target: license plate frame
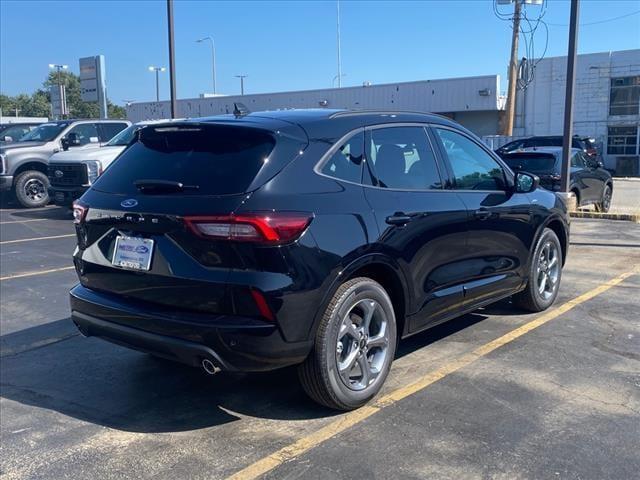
133,253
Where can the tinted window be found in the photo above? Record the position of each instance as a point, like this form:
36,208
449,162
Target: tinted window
15,132
402,158
473,168
210,159
85,133
125,137
346,162
527,163
577,161
110,130
511,146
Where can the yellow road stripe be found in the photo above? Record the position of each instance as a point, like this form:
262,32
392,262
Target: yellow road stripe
37,238
348,420
32,274
24,221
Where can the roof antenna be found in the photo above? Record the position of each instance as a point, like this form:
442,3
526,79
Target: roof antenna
239,109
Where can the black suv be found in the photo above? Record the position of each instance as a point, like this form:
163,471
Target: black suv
586,144
310,237
589,181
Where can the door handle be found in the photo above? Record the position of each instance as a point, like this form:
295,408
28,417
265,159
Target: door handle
482,214
398,218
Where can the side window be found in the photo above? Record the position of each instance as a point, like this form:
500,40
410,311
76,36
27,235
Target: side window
577,161
346,162
85,133
473,168
110,130
402,158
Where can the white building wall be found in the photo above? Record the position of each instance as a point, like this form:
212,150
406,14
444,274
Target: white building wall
540,108
438,96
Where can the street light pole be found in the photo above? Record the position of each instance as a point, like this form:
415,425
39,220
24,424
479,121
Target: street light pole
213,59
157,70
339,54
242,77
172,61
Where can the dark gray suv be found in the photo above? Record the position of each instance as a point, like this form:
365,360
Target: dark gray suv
23,164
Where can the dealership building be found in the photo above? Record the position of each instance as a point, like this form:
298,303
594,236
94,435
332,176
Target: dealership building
607,103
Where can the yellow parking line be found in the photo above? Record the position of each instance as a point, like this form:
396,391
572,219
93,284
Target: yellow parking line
24,221
37,238
348,420
32,274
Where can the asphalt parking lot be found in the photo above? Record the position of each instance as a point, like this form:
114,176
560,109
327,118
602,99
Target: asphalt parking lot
495,394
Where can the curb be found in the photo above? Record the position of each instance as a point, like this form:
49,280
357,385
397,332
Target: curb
630,217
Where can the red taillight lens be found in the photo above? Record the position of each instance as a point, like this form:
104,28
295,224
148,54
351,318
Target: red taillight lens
79,212
261,303
272,227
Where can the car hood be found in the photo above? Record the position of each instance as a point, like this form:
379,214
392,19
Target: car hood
94,153
6,147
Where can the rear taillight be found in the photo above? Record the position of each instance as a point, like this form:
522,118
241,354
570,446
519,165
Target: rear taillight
271,227
262,305
79,212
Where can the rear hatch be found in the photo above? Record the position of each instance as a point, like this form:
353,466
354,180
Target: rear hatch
136,233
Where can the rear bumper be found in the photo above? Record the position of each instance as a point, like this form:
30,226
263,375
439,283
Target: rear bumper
6,182
64,196
232,343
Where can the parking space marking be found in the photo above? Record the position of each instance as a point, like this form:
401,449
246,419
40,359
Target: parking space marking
32,274
348,420
37,238
24,221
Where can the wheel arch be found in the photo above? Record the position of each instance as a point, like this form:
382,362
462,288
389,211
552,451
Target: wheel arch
31,164
560,229
383,270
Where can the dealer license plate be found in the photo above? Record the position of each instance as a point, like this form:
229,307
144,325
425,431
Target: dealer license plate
133,252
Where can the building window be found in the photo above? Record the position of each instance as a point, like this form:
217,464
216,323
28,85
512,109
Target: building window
625,96
622,141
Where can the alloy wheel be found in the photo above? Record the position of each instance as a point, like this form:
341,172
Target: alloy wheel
548,270
35,189
363,344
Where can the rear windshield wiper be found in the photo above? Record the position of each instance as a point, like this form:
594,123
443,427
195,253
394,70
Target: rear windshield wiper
150,186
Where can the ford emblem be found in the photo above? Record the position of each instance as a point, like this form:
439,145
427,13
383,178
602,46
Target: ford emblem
129,203
59,173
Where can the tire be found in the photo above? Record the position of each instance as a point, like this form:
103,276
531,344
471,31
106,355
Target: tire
605,203
546,262
31,189
336,346
576,193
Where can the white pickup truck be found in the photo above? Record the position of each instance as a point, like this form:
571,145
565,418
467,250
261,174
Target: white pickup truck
72,172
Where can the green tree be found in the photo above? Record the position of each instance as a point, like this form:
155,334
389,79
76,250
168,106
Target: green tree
38,104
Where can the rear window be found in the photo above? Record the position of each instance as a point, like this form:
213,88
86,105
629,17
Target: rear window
531,163
215,159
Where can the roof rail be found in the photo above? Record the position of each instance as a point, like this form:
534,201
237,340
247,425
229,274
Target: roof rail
349,113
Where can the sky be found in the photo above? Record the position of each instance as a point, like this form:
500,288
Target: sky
286,45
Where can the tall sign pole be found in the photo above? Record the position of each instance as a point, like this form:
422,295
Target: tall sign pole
568,99
513,71
172,61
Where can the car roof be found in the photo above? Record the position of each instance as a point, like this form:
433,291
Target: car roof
550,150
326,123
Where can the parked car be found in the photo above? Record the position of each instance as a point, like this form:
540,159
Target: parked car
72,172
586,144
12,132
24,163
309,237
589,181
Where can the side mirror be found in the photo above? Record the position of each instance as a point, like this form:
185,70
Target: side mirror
7,139
64,143
526,182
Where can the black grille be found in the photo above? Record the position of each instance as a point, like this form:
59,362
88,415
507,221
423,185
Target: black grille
70,174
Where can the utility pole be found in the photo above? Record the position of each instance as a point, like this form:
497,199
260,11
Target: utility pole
568,99
61,89
513,71
339,54
172,61
242,77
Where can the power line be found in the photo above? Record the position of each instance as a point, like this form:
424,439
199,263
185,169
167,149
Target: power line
598,21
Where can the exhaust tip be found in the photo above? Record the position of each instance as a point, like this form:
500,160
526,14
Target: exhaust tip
209,367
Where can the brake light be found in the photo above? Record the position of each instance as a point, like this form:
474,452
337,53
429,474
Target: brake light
271,227
79,212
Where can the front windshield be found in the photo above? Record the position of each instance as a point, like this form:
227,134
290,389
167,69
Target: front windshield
44,133
125,137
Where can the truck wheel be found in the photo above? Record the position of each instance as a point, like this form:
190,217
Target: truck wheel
31,189
605,203
354,347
